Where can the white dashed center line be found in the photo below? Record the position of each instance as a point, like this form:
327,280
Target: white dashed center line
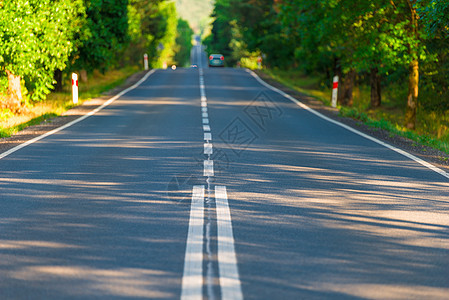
192,281
208,149
208,168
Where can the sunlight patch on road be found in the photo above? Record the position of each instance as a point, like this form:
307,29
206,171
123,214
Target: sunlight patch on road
120,282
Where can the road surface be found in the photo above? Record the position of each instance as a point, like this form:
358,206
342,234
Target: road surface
206,183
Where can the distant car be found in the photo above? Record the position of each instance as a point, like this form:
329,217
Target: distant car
216,60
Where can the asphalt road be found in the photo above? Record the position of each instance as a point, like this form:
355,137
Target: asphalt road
203,182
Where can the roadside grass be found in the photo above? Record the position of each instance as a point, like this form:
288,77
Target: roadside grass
58,103
432,126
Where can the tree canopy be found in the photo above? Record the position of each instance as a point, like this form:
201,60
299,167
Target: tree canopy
39,38
373,39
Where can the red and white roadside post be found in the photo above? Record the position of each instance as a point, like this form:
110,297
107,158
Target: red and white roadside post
259,62
75,88
334,91
145,61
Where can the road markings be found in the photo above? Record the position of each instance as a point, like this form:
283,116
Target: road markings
208,149
302,105
227,260
208,168
91,113
192,278
207,136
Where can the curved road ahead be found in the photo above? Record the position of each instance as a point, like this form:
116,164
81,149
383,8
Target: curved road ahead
205,183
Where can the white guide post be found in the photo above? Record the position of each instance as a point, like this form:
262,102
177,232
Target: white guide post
75,88
145,61
334,91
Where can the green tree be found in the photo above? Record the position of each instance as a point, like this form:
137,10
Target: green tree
248,27
152,30
36,38
434,17
183,42
104,36
221,33
165,40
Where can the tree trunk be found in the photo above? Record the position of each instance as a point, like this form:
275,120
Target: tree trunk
83,76
376,98
14,102
412,97
58,78
413,79
346,96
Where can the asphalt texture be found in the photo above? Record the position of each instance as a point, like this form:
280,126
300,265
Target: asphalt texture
100,210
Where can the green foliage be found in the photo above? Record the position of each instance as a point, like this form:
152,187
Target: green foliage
152,27
435,16
221,34
166,35
183,43
435,82
103,36
3,84
372,39
37,38
244,27
6,114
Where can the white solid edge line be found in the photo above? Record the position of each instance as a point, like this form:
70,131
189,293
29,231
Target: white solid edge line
192,278
92,112
227,260
302,105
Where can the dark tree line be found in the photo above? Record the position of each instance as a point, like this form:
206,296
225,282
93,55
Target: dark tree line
379,41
